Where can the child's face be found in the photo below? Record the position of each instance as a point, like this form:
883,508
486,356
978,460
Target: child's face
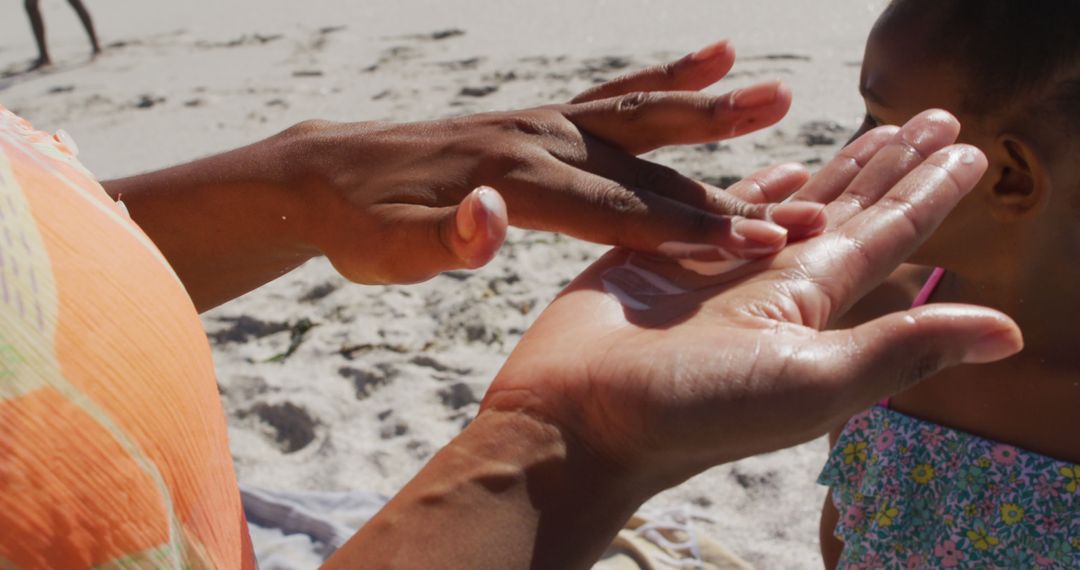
899,80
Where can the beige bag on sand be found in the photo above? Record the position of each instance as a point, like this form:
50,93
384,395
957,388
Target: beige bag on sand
669,541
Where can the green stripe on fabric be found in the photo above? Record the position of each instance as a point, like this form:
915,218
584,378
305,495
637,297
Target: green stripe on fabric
28,301
161,557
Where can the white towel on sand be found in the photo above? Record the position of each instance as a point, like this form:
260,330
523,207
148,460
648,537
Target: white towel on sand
299,530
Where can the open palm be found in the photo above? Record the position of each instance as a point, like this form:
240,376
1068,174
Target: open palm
637,356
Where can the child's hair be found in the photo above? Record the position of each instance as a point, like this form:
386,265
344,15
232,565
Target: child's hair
1015,55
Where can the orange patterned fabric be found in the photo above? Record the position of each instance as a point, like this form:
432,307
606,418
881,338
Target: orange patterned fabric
113,450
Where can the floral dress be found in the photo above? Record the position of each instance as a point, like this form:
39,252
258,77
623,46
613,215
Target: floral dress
912,494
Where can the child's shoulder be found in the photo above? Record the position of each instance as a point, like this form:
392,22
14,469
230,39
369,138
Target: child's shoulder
894,294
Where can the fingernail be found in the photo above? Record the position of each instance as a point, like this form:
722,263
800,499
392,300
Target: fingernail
993,347
755,96
466,217
760,251
802,214
684,250
494,206
759,231
705,253
709,52
965,163
711,268
928,127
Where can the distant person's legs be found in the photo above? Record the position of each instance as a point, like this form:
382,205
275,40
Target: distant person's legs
38,25
88,24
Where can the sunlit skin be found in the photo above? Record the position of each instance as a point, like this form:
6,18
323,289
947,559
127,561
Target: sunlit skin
1011,244
601,406
335,189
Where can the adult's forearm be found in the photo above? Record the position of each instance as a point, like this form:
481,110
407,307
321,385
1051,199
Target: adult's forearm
511,491
227,223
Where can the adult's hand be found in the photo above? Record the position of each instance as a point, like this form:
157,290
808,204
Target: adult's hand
570,168
642,374
402,202
692,370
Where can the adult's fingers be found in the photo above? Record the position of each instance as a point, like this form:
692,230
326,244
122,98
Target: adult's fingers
476,230
639,122
834,178
602,210
923,135
417,242
693,72
770,184
859,254
890,354
915,206
774,184
762,190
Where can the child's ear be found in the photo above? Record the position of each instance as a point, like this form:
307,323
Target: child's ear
1020,188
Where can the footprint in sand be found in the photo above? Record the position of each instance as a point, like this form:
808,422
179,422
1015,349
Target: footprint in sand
243,328
426,361
777,57
366,381
246,388
255,39
419,450
396,55
457,396
147,100
822,133
293,426
481,91
467,64
756,482
437,35
319,291
392,426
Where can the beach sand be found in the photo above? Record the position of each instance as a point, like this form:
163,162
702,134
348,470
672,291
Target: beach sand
335,386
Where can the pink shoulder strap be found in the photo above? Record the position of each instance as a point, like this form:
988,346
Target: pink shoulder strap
928,287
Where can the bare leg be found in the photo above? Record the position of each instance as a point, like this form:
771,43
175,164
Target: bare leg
38,25
87,22
831,547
